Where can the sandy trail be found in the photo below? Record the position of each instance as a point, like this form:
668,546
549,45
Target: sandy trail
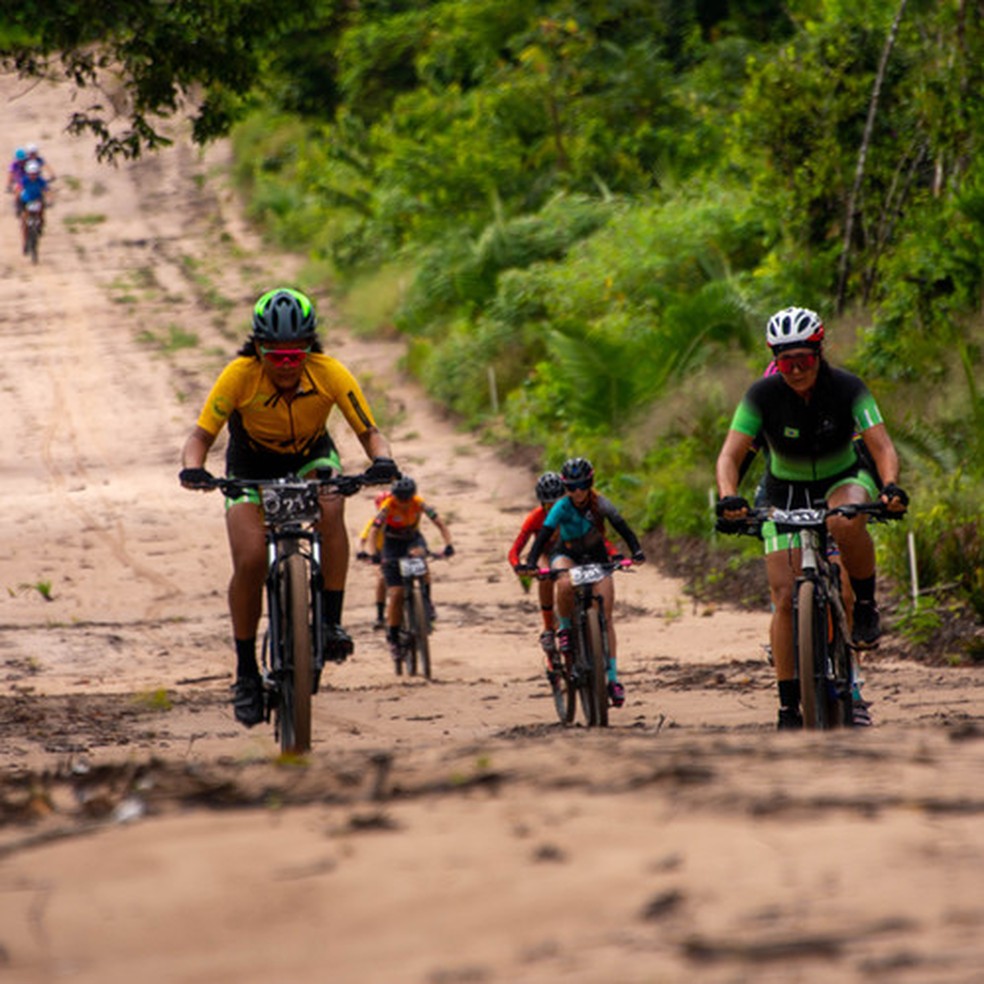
439,833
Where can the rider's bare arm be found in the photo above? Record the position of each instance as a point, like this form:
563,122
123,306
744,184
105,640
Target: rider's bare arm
728,470
196,448
882,452
374,444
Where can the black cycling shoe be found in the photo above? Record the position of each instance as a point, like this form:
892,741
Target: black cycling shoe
790,719
338,644
866,630
247,700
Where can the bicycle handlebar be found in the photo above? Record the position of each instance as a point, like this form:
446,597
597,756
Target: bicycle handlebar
608,566
804,518
234,487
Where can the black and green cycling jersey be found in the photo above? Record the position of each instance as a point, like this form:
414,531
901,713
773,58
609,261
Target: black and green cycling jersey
812,439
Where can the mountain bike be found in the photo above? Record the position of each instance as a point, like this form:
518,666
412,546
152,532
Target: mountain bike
33,224
294,644
415,624
825,659
582,677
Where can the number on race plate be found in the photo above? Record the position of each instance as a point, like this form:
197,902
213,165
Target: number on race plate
291,502
587,574
412,566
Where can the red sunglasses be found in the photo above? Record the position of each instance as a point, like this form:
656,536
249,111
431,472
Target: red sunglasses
285,358
787,363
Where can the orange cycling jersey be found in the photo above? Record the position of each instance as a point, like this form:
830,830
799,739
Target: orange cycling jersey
400,518
258,414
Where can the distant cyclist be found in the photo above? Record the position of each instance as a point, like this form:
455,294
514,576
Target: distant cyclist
373,533
33,188
808,413
579,522
15,175
399,519
34,154
276,397
549,489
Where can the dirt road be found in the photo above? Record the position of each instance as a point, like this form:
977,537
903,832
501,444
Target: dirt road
441,833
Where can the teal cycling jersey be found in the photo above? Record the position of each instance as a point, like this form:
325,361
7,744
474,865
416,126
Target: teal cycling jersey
581,532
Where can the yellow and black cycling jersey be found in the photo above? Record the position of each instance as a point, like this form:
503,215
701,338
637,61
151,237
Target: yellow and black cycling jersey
263,420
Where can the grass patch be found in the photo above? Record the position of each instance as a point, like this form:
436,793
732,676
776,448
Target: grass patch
77,223
174,339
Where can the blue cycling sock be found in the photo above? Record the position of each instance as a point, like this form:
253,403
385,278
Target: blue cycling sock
564,623
612,671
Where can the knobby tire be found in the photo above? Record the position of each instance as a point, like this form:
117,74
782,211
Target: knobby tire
295,723
599,663
32,242
422,629
583,673
409,632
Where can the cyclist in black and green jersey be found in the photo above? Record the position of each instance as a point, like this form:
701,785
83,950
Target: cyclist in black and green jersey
808,413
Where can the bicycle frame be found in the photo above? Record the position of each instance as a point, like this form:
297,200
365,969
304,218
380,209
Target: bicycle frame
586,676
824,656
294,645
415,624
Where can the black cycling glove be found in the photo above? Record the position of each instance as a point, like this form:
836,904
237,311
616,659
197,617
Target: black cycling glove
196,478
730,503
382,470
638,557
892,491
449,550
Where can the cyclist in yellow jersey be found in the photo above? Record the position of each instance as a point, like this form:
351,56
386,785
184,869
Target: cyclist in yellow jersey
275,398
399,520
375,533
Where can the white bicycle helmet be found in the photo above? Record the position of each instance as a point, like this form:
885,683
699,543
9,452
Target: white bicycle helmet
794,326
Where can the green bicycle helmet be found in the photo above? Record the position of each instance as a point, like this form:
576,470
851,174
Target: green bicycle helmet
284,315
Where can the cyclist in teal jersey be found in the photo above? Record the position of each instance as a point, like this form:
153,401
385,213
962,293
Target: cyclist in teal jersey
578,520
808,413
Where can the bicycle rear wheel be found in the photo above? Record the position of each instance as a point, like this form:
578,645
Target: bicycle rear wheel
295,700
599,665
422,629
582,676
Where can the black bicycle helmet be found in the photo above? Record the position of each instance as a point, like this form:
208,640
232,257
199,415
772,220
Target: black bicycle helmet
549,487
404,488
577,473
284,315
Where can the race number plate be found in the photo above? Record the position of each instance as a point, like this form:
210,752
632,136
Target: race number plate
291,503
587,574
412,566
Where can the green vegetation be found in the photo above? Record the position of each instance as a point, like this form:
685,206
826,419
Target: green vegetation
580,217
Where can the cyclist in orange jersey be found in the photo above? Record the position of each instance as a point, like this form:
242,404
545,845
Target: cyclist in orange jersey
399,520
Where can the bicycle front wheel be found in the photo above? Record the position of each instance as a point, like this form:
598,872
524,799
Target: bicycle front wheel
408,635
422,629
582,676
813,626
599,665
295,711
32,243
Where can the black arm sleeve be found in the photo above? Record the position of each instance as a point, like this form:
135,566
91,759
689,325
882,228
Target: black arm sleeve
619,525
542,539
